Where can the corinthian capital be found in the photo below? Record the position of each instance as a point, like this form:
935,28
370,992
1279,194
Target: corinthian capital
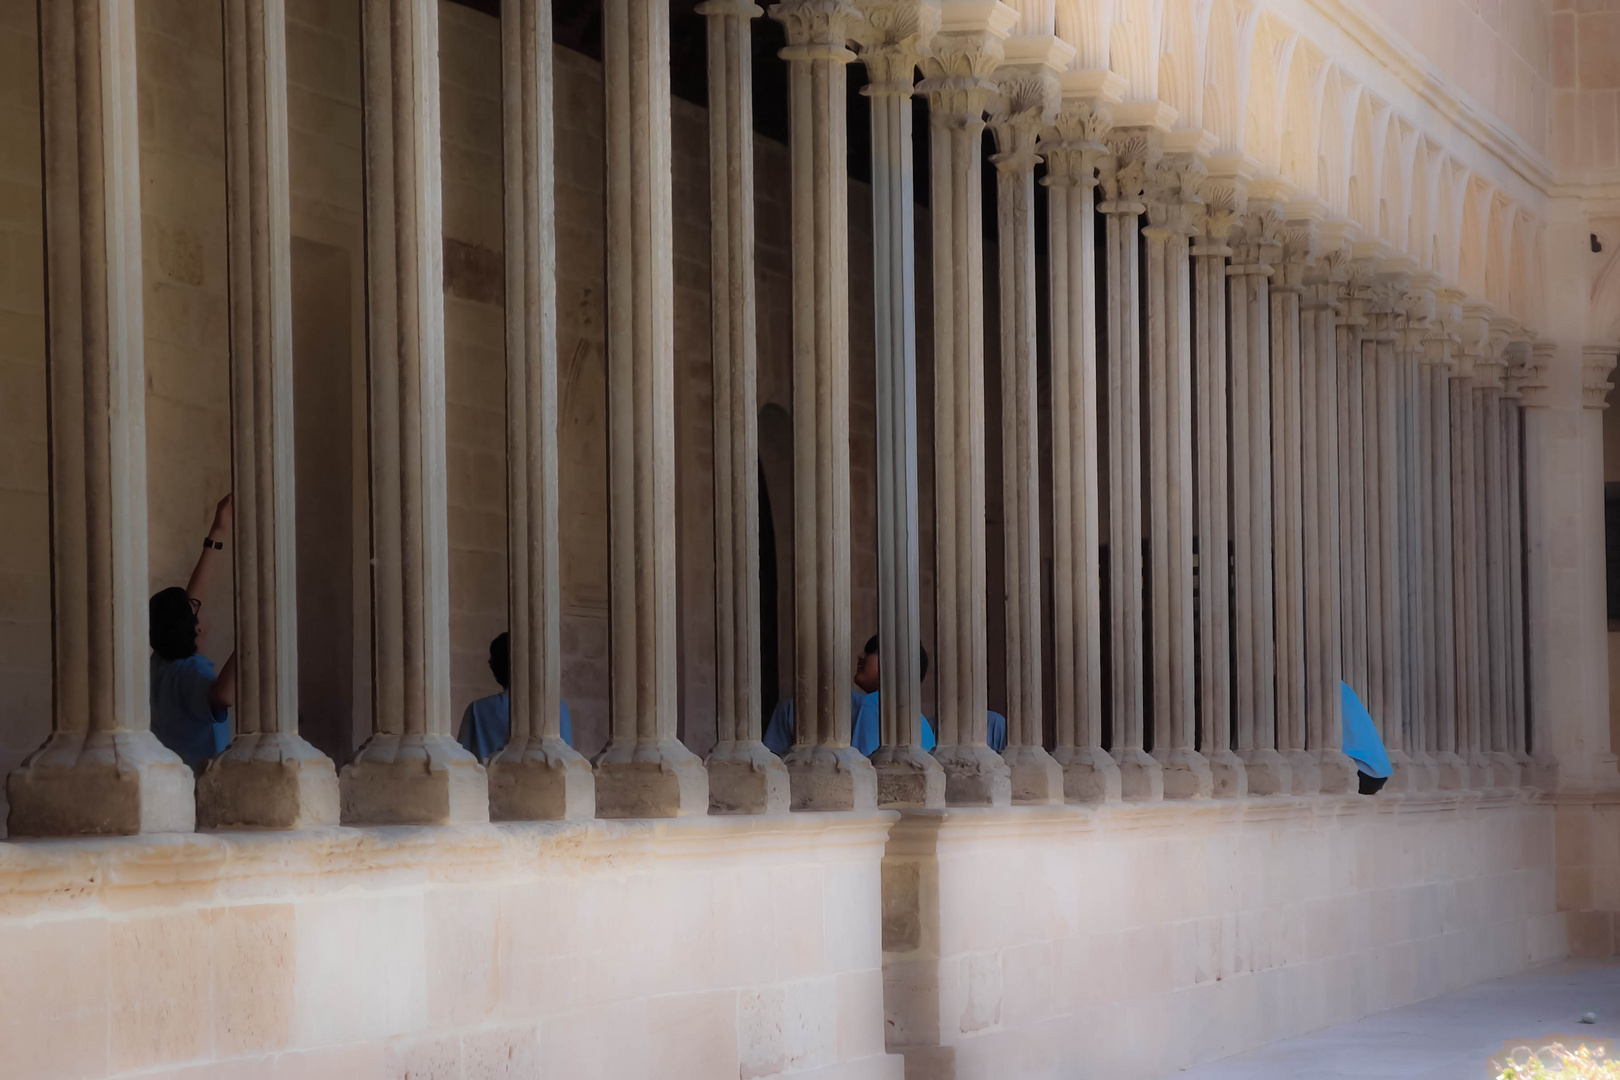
894,36
957,72
1025,104
1072,155
1175,193
817,29
1132,152
1597,361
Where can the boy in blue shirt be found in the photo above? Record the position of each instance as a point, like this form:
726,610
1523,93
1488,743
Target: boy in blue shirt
487,723
190,702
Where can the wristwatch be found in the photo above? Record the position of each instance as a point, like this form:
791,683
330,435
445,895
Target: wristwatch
217,545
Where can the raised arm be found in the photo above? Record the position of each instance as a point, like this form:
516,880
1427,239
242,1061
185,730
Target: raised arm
222,695
214,543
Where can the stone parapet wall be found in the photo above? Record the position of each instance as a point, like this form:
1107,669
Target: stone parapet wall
1024,942
1139,940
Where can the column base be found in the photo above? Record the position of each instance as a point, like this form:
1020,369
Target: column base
544,779
1304,773
1338,773
268,780
830,778
1185,773
1425,772
908,776
1229,779
1140,777
413,780
1452,771
650,778
105,783
1090,774
974,776
1504,770
1037,778
1267,771
746,778
1481,777
1401,777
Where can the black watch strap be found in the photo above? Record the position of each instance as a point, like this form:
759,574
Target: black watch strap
218,545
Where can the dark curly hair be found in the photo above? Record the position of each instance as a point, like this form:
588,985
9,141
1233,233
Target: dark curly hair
172,625
872,647
500,659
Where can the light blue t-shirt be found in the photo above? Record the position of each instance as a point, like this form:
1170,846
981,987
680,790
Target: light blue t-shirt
1361,742
487,724
182,718
866,732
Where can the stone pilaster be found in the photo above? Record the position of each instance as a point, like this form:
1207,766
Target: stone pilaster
1299,241
1439,345
537,774
411,770
959,90
1513,485
644,771
1090,774
895,36
1253,260
1025,106
1124,174
101,770
1175,207
1225,200
1491,384
269,776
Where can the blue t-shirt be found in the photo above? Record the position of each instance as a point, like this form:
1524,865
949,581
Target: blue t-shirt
182,718
1361,742
487,724
865,731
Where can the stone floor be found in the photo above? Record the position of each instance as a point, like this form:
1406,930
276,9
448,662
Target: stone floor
1452,1037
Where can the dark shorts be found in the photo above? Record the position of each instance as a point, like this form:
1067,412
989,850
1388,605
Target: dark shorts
1370,784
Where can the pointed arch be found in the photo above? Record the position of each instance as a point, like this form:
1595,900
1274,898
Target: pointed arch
1302,118
1085,24
1498,244
1519,267
1421,210
1230,45
1448,220
1338,104
1361,189
1260,131
1395,182
1133,46
1472,236
1182,60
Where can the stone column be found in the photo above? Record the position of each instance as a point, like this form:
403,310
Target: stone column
1417,500
1351,324
1223,198
1493,541
269,776
1026,105
411,770
537,775
1380,389
744,777
1465,633
1439,346
1299,242
1319,410
1124,177
893,39
101,770
644,771
959,92
826,772
1513,485
1089,772
1251,270
1173,200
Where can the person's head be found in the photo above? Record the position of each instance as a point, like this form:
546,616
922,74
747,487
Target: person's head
173,623
500,659
867,671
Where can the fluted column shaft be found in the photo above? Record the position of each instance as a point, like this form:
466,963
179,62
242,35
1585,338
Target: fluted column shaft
1463,575
1504,766
1416,501
537,775
1089,772
411,770
1351,324
1513,511
1173,199
1213,458
1438,553
1026,104
1124,178
1380,415
101,770
895,34
268,776
644,770
959,92
1266,769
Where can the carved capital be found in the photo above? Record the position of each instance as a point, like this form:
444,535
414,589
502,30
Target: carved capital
817,29
1258,246
1533,389
894,36
1597,361
1124,172
1072,155
1174,194
1025,105
956,75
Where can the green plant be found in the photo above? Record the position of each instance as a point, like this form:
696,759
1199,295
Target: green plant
1556,1063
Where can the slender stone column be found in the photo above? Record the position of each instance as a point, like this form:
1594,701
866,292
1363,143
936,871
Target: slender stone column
1224,199
827,773
411,770
1299,244
959,91
1380,419
1475,770
1320,478
1416,563
1089,772
1513,486
1173,200
1493,541
744,777
1026,105
1251,269
1351,325
1439,346
537,775
894,37
644,771
101,770
1124,177
269,776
